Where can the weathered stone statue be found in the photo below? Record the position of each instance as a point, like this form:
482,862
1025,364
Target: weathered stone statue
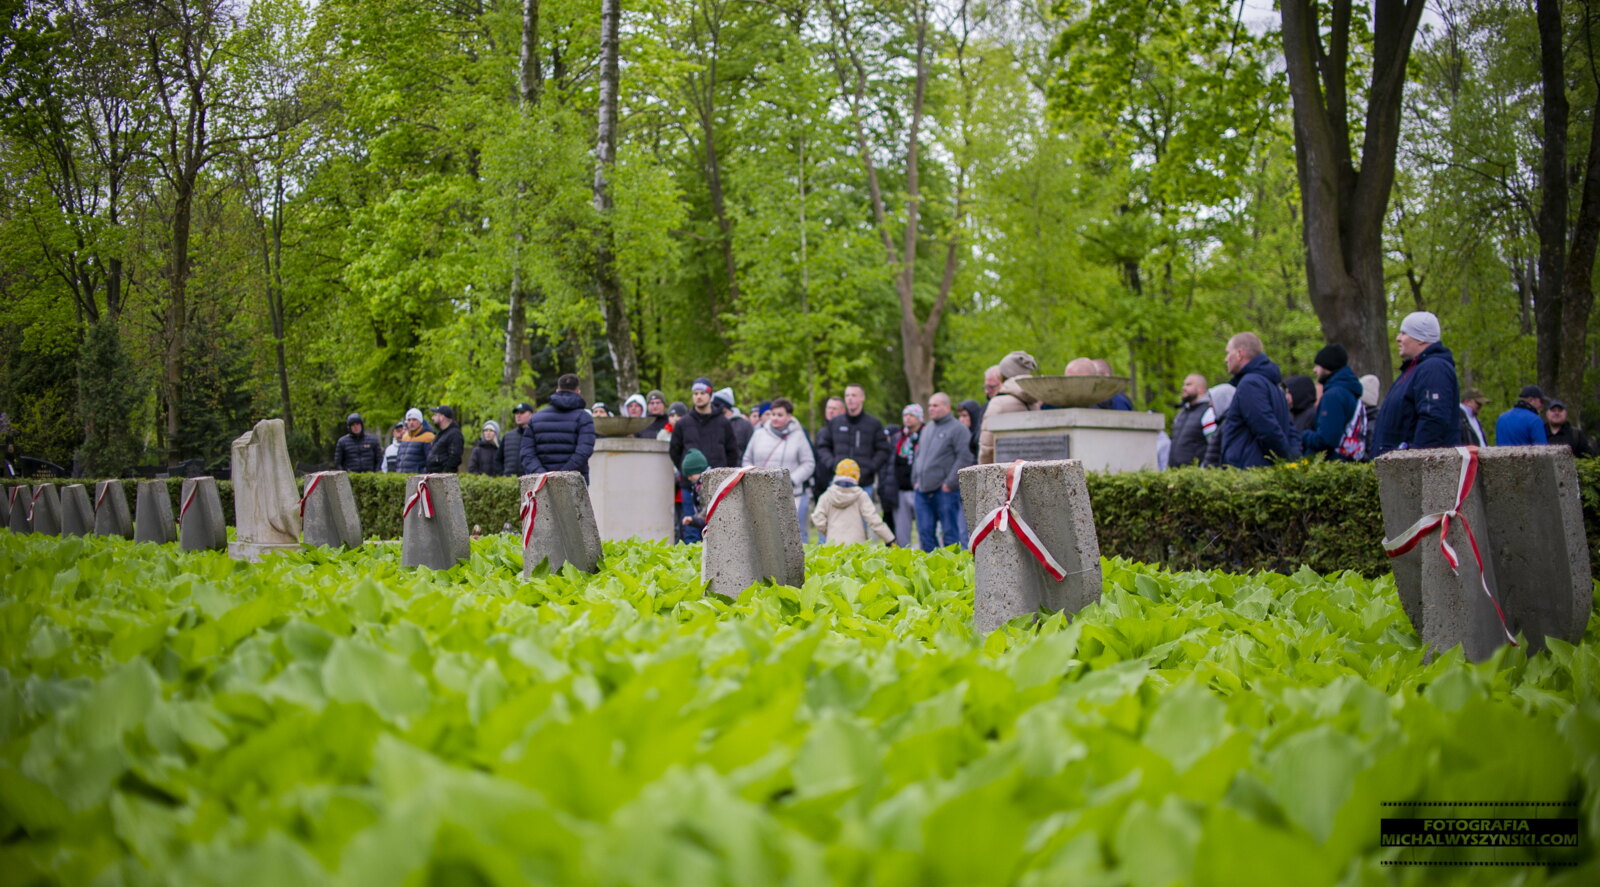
266,500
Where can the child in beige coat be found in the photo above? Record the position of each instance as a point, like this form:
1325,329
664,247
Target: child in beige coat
844,512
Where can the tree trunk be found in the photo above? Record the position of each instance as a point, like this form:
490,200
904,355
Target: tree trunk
1577,285
530,75
1343,202
1553,187
618,336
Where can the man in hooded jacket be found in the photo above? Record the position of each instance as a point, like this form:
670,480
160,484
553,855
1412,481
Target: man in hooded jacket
1420,410
358,450
1257,427
1341,397
560,437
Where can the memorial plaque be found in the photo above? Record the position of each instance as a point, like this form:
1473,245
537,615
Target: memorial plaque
1032,447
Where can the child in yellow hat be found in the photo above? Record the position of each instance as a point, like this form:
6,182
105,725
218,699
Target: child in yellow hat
844,513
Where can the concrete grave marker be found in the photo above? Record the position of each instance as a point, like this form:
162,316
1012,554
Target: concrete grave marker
201,526
46,510
266,500
6,497
1033,540
328,511
1516,511
558,523
152,514
18,498
751,533
111,515
77,514
434,522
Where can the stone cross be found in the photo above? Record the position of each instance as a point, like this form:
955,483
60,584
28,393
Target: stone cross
434,523
557,522
1520,504
1037,544
266,501
751,533
152,514
201,526
328,511
77,515
111,515
46,504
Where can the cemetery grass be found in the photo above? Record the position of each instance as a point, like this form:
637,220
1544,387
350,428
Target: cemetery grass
328,717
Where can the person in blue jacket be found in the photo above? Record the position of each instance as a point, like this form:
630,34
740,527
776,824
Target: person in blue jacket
1420,410
1341,396
1257,426
1522,425
560,437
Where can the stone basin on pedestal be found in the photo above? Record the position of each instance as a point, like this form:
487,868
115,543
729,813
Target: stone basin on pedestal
630,482
1103,440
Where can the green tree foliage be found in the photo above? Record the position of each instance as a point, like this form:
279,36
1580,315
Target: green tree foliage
108,404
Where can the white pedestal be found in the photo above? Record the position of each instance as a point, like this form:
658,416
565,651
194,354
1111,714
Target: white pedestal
1103,440
631,486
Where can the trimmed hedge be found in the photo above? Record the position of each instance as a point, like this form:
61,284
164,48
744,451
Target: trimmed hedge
1320,515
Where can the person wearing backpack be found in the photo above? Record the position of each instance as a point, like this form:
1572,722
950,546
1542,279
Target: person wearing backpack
1340,428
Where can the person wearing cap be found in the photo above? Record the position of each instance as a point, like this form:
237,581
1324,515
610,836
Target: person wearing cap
391,453
487,456
845,512
780,442
1472,403
358,450
1257,428
655,406
855,435
412,457
1337,409
1010,399
511,442
675,414
1522,425
633,406
1561,431
1420,410
444,457
707,430
722,399
691,515
560,436
1211,423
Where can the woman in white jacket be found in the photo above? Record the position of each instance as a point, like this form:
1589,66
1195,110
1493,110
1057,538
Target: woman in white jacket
780,442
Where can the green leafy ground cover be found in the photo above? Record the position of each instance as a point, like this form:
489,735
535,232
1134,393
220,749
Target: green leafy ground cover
171,718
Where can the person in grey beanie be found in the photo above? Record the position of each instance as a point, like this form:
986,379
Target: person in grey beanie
1420,410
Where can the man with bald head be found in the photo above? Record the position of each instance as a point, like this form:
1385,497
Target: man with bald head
1098,366
1257,428
1188,425
941,452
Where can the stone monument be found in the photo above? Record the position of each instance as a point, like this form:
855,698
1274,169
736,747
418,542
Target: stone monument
434,523
152,514
77,514
1103,440
558,522
1033,540
1528,572
328,511
18,500
631,486
201,525
46,516
6,498
266,501
751,534
111,515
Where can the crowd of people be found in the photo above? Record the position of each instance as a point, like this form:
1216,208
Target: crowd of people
858,475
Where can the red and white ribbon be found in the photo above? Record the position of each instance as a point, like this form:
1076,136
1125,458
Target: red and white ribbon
530,508
725,489
1440,520
187,501
34,501
422,495
101,496
1006,519
311,487
14,491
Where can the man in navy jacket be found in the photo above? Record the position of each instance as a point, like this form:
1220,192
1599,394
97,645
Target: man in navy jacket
1341,396
1420,410
1257,426
560,437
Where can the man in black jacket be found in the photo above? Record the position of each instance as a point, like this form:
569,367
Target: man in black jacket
705,429
358,450
560,437
1188,431
445,455
511,441
855,435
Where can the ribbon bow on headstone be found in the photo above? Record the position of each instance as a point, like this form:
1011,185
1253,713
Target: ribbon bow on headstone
34,501
311,487
187,501
1006,519
725,489
1440,520
530,508
422,495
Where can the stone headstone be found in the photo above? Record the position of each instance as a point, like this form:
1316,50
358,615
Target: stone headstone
1052,500
440,541
111,515
328,511
6,495
201,526
18,498
753,535
266,500
47,509
152,514
564,527
1525,512
77,514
